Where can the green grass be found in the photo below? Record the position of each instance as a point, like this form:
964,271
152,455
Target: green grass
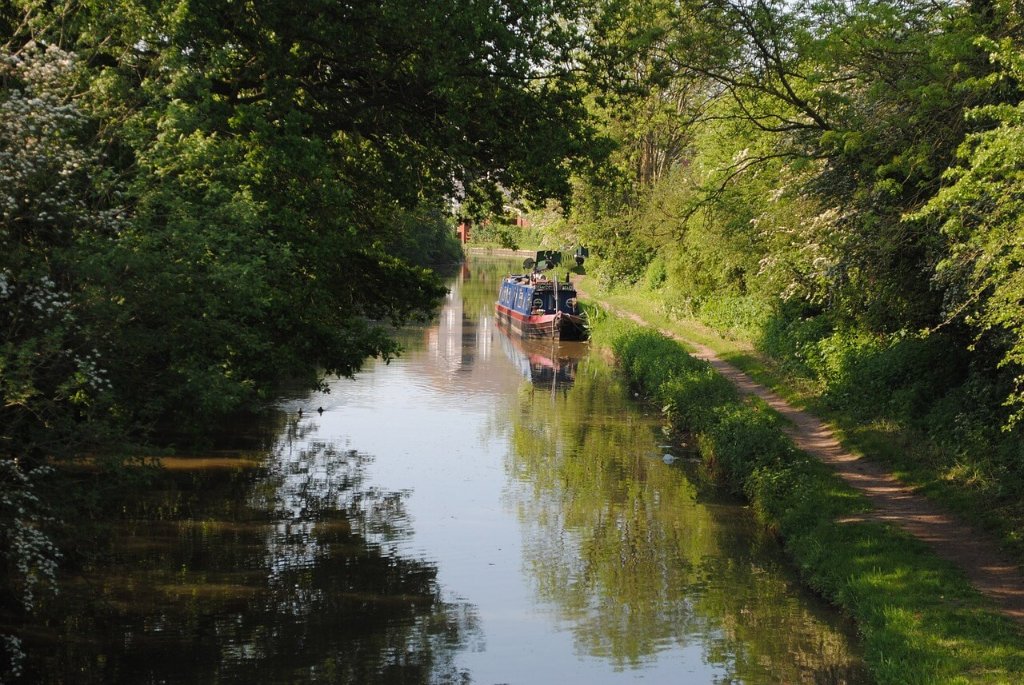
739,353
920,620
973,486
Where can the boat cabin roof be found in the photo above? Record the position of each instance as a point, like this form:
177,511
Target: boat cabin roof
539,282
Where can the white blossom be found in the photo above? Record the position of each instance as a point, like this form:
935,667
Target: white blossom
44,186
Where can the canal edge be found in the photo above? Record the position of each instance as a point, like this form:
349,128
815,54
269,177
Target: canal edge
972,551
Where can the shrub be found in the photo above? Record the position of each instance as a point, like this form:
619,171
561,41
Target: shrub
656,273
738,315
649,357
690,399
898,377
790,334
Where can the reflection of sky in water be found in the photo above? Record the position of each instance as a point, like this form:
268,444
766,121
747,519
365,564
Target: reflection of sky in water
439,423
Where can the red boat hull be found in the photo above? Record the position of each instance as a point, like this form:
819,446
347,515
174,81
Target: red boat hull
557,326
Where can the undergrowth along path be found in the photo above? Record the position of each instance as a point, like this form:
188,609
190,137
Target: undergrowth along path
893,502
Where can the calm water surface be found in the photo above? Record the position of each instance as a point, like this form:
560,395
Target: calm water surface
477,511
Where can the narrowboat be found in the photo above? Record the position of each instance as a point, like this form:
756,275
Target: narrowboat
535,306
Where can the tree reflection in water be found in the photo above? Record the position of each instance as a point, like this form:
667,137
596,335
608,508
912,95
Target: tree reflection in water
635,563
257,571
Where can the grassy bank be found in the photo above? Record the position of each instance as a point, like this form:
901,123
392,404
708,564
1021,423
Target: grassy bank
921,621
897,405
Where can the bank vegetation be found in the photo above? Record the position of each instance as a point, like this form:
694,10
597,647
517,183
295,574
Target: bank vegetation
920,620
836,188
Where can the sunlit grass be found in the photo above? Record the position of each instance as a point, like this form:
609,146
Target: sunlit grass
204,463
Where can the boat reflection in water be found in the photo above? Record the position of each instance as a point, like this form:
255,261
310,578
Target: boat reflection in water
548,364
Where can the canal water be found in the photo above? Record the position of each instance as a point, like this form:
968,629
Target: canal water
479,510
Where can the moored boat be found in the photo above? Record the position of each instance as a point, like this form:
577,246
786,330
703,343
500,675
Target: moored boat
535,306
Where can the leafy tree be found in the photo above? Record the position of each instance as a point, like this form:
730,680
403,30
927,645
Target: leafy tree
981,208
200,201
54,389
860,104
271,158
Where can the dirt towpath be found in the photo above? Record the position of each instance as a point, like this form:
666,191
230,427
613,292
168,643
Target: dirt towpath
977,554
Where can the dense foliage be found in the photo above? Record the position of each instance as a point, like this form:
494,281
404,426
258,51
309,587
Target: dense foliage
201,201
839,183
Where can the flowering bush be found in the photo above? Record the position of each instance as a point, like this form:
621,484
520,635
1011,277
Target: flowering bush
51,377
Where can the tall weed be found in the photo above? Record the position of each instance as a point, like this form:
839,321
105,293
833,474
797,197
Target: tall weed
894,377
691,399
745,436
740,316
790,336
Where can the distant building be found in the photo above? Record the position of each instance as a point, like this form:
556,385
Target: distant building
465,227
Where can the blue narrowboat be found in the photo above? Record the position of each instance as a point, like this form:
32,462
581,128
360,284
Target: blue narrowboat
535,306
